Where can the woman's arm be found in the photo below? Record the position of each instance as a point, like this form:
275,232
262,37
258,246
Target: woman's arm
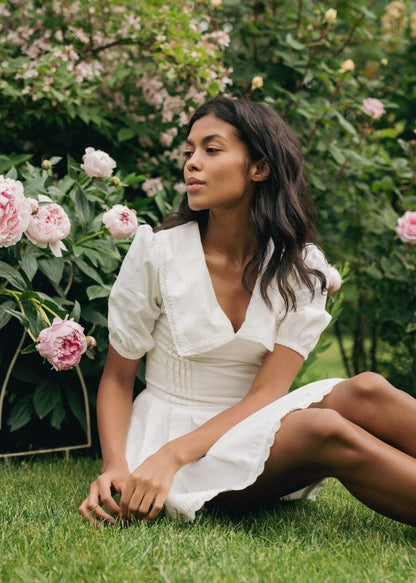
114,404
146,492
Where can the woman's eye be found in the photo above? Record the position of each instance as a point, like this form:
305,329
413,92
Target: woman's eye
187,154
212,150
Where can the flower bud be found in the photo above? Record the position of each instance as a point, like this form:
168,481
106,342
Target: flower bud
330,15
348,66
115,180
91,342
216,3
46,164
257,82
334,279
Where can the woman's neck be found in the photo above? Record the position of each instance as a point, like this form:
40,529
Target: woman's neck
229,235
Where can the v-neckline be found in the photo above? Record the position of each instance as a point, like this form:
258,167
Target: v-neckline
212,288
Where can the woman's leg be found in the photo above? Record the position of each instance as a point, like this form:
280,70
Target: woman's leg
316,443
370,401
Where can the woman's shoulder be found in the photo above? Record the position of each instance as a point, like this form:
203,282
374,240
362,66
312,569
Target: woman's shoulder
147,237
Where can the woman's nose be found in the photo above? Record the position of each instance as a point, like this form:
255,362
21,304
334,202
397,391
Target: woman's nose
193,162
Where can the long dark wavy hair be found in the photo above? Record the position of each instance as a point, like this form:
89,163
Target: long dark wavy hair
281,207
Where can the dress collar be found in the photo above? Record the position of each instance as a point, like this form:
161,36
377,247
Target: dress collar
196,319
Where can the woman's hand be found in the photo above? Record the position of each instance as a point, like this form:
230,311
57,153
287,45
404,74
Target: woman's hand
148,486
100,506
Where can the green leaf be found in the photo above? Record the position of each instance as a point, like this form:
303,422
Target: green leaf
58,415
21,413
12,276
29,265
45,398
21,317
77,407
98,291
88,270
82,207
55,159
29,349
295,44
337,154
125,134
4,314
76,311
349,128
53,268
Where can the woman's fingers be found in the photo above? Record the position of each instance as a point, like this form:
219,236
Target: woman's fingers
143,503
92,509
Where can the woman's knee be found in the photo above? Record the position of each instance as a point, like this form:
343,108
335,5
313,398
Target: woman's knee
315,428
367,387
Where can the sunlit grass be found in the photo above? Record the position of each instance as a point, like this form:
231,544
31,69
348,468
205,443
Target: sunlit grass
42,538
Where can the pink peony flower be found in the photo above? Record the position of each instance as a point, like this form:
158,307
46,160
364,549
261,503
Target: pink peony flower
97,163
49,226
374,107
62,344
120,221
14,211
334,279
406,227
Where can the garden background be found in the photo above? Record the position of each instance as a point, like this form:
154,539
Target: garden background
123,77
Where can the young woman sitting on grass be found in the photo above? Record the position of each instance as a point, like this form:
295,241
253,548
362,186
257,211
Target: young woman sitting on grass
226,299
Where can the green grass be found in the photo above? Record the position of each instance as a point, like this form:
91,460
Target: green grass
335,539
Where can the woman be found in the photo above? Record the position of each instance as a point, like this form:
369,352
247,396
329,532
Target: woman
227,299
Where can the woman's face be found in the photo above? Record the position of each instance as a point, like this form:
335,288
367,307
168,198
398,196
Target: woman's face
217,168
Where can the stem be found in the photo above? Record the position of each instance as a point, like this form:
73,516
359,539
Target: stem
87,408
342,349
9,372
71,276
352,31
102,232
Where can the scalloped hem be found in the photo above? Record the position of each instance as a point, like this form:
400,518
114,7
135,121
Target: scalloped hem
236,460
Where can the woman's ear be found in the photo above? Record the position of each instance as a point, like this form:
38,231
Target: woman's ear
260,170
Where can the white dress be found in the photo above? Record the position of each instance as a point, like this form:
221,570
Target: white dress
163,304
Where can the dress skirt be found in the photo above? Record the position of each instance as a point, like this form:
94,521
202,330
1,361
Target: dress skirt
234,462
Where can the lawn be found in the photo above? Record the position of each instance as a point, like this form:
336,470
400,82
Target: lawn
336,539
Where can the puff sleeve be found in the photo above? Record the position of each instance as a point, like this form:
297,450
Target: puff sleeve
134,303
300,330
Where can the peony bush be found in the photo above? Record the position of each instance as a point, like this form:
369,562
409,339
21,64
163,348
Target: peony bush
62,243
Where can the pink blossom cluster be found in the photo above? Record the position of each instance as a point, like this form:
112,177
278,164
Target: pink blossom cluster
374,107
152,186
63,343
406,227
81,46
43,224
